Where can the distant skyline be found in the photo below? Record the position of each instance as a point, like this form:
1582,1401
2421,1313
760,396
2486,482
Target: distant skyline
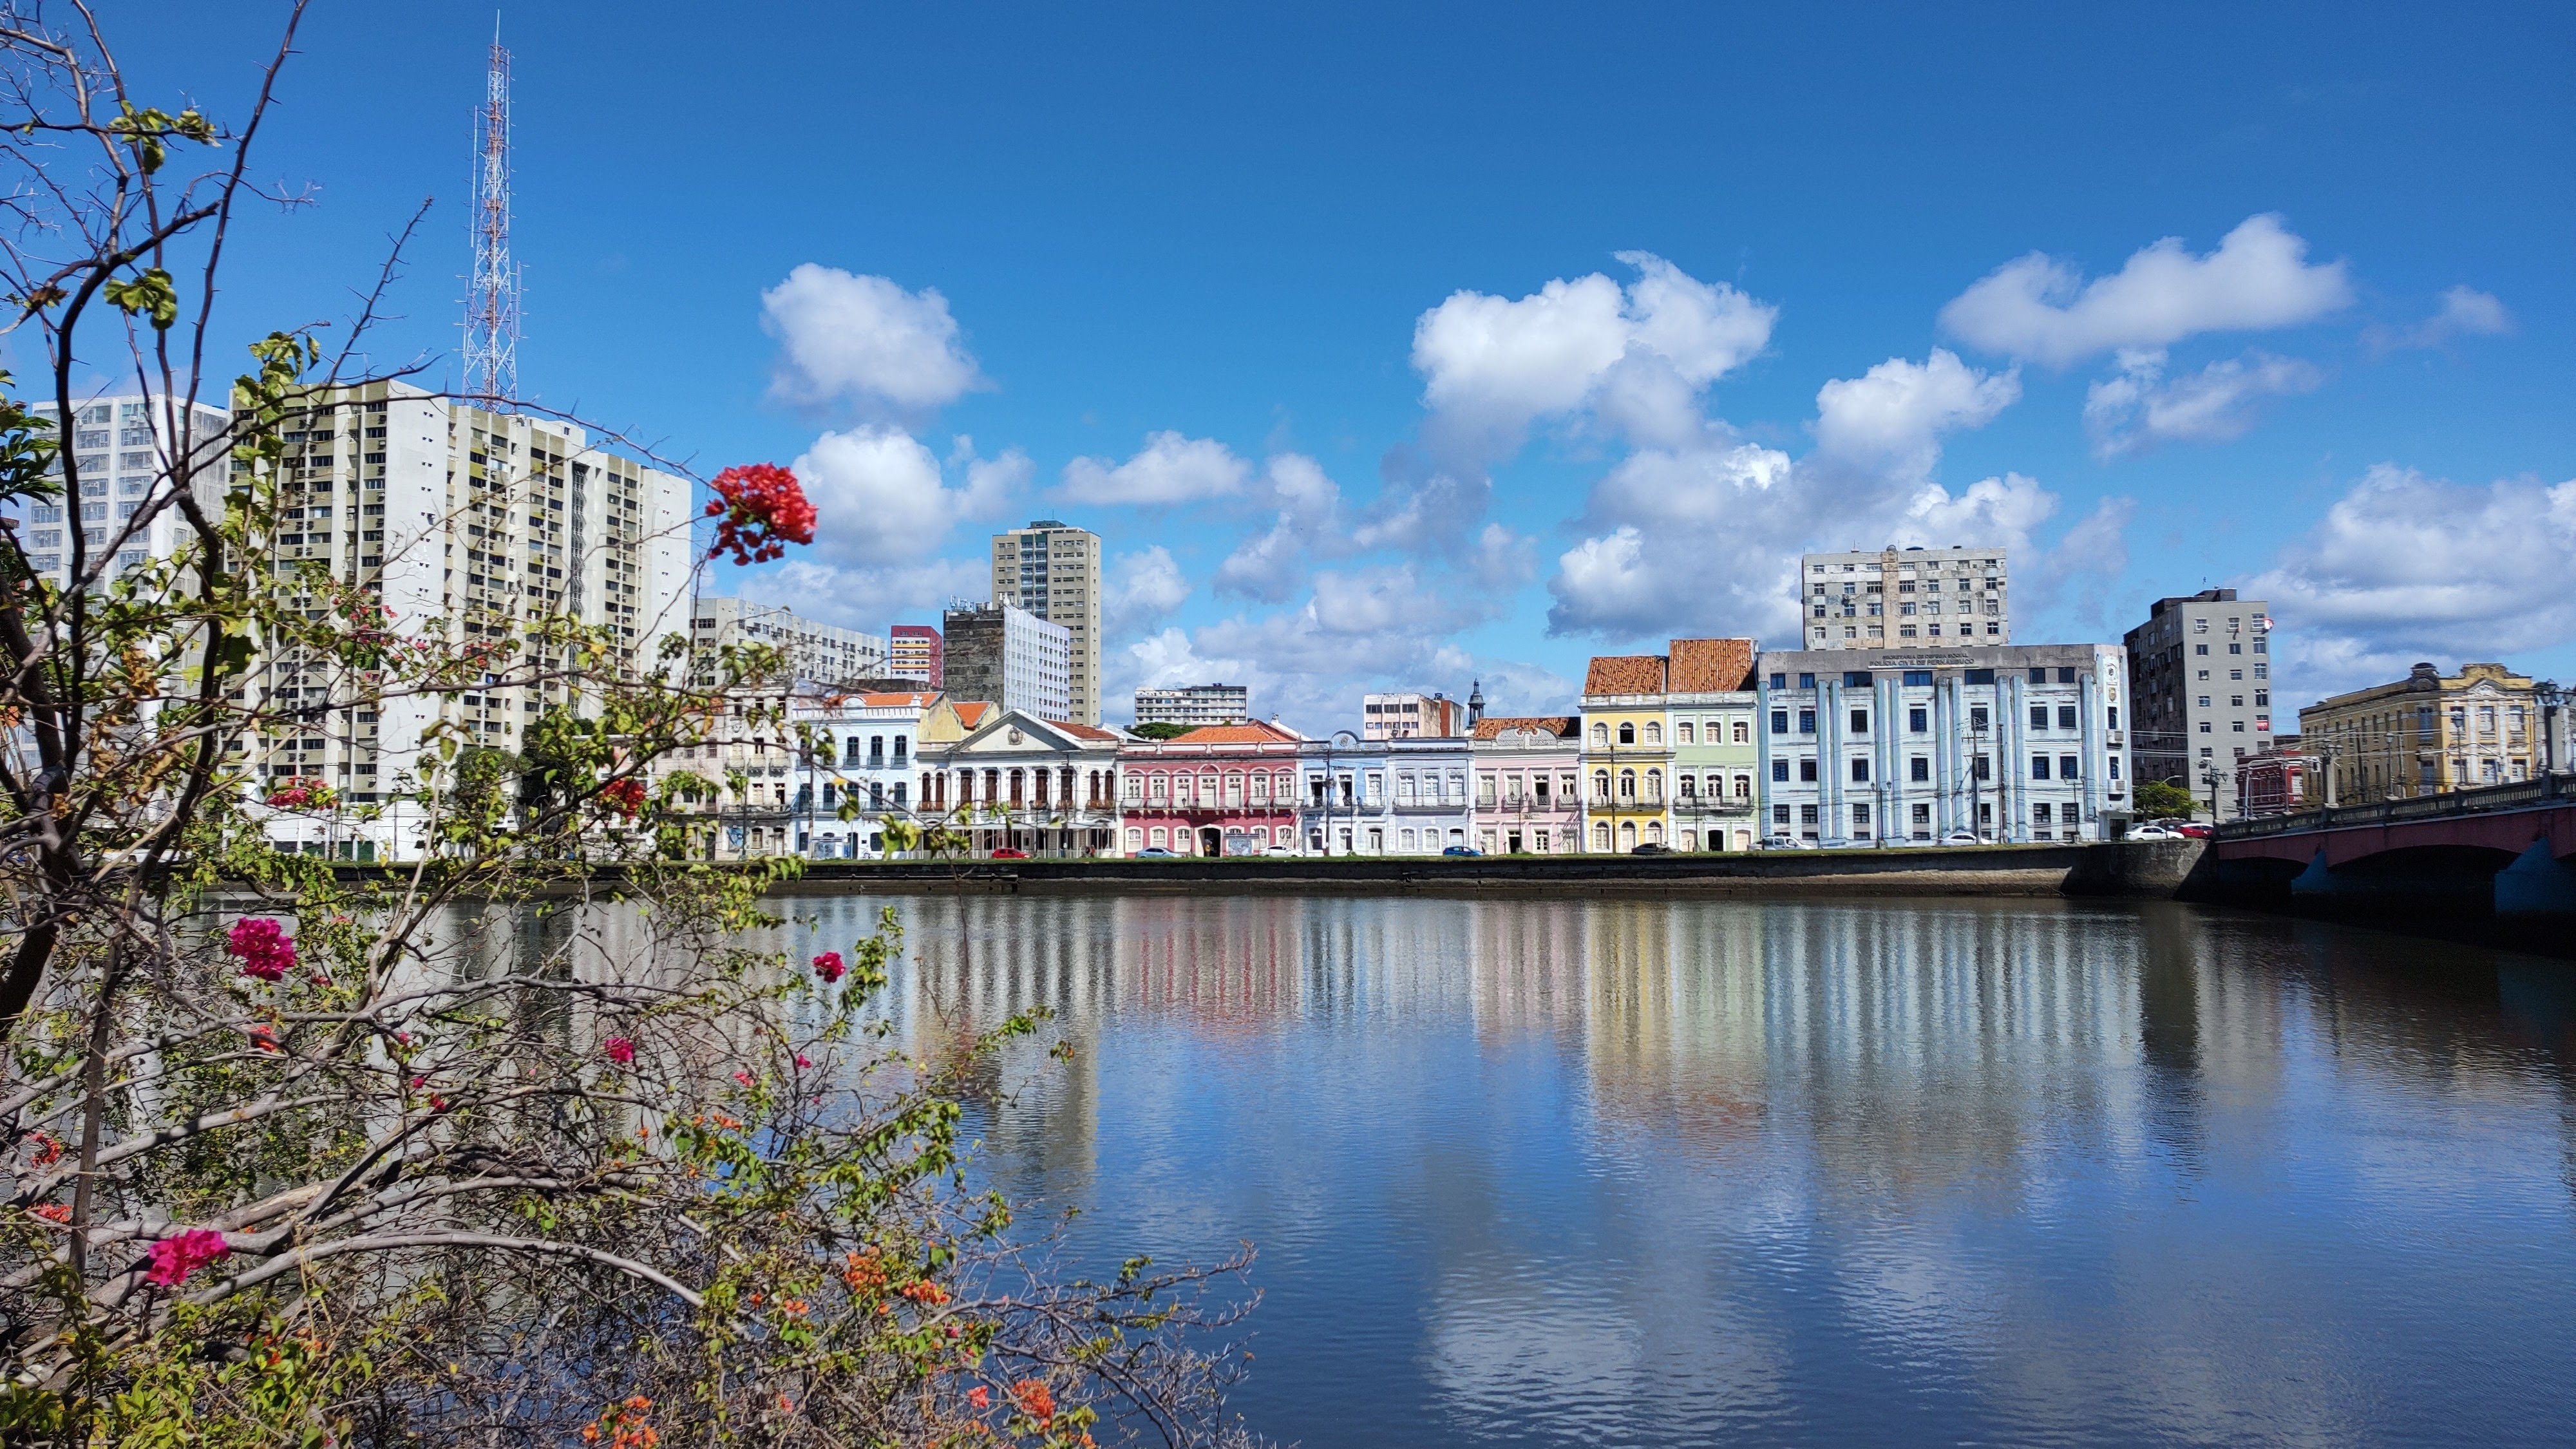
1400,350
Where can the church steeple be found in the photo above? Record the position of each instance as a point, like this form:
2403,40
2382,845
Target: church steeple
1476,704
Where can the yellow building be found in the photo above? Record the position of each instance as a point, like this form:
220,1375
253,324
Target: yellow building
1627,757
2424,734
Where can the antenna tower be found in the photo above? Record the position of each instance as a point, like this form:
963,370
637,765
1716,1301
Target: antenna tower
492,300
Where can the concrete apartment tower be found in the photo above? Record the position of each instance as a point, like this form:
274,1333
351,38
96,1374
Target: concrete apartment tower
1002,654
1051,569
121,446
817,653
1898,598
2202,668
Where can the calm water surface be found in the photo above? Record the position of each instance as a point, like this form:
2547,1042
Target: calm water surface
1563,1172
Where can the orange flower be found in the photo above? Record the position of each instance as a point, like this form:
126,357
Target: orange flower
1035,1400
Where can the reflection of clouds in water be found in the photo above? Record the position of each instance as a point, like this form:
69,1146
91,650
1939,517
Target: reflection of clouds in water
1593,1170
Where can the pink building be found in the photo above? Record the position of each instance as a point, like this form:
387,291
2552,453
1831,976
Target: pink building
1529,785
1218,790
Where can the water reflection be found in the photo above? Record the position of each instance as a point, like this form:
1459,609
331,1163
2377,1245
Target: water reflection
1641,1172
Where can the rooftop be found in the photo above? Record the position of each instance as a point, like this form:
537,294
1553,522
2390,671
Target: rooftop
1563,726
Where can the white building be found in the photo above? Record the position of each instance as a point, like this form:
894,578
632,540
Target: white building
1002,654
866,752
816,652
1051,569
119,447
1386,797
1893,598
471,523
1412,716
2013,744
1195,705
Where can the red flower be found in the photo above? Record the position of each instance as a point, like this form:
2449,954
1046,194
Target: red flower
263,946
742,1077
980,1396
620,1050
173,1259
53,1212
829,967
263,1038
626,796
1035,1400
761,509
803,1063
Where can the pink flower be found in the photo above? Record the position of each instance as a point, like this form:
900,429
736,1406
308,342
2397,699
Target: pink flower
743,1077
266,951
803,1063
620,1050
173,1259
829,967
760,508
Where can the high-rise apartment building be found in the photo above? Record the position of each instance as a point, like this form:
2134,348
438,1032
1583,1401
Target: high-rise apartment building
2202,667
1895,598
1004,655
816,653
1412,716
1195,705
913,652
1051,570
119,446
473,521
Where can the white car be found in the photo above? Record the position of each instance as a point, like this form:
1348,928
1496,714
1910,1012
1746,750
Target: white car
2153,832
1961,837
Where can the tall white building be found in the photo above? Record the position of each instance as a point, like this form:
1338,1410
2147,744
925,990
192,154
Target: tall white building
118,447
1412,716
466,524
817,653
1194,705
1895,598
1003,655
1051,569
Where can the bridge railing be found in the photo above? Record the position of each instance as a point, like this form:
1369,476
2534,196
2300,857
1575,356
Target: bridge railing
2521,795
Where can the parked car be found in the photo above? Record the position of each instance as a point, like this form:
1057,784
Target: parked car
2192,831
1466,850
1650,848
1154,852
1962,837
1785,842
1010,852
1279,850
1837,842
2153,830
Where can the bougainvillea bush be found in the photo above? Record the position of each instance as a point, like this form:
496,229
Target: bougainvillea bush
537,1139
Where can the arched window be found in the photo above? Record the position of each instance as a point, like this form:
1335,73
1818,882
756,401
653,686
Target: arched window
1601,786
1627,732
1628,835
1683,734
1600,735
1744,787
1654,732
1601,835
1743,733
1627,784
1654,787
1654,832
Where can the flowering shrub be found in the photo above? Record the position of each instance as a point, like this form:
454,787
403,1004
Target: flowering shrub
620,1050
625,796
303,794
173,1259
623,1426
761,509
829,966
263,947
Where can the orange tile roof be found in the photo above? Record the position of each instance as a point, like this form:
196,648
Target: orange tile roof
896,699
1703,665
1563,726
1625,674
970,713
1255,733
1082,731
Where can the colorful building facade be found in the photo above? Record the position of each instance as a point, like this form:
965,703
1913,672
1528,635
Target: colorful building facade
1708,706
1529,785
1218,790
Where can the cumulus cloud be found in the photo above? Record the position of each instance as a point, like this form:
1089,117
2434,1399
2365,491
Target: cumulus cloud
1170,470
880,497
868,597
865,342
2465,312
2405,567
2040,309
1894,415
1492,366
2140,407
1141,589
1270,565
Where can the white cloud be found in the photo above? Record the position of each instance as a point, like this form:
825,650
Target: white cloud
1894,415
1170,470
869,598
880,497
1270,565
1491,366
866,342
2140,408
2041,309
2465,312
1140,590
2405,567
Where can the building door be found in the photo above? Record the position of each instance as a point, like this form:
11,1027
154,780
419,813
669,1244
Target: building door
1211,842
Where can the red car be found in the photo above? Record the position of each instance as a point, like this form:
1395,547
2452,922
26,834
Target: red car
2193,832
1008,853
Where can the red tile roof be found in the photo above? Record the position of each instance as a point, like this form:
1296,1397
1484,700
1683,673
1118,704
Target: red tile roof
1703,665
1255,733
883,700
970,713
1563,726
1082,731
1625,674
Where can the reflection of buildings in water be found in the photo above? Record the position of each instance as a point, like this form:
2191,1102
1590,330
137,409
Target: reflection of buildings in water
1674,1018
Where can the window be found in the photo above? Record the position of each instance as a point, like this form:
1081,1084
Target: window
1779,814
1806,721
1977,717
1779,721
2200,649
1601,735
2039,716
1743,733
2066,766
2235,648
2066,718
1807,770
1918,720
1683,733
1918,678
1860,721
1654,732
1627,732
1779,681
2066,674
1860,770
2039,767
1983,766
1806,681
1780,771
1919,769
1856,679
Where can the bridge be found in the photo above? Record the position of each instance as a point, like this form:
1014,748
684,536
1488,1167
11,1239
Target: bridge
2510,849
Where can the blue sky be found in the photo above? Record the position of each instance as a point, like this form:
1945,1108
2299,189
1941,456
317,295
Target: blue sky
1873,260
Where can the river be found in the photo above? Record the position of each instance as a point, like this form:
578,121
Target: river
1716,1171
